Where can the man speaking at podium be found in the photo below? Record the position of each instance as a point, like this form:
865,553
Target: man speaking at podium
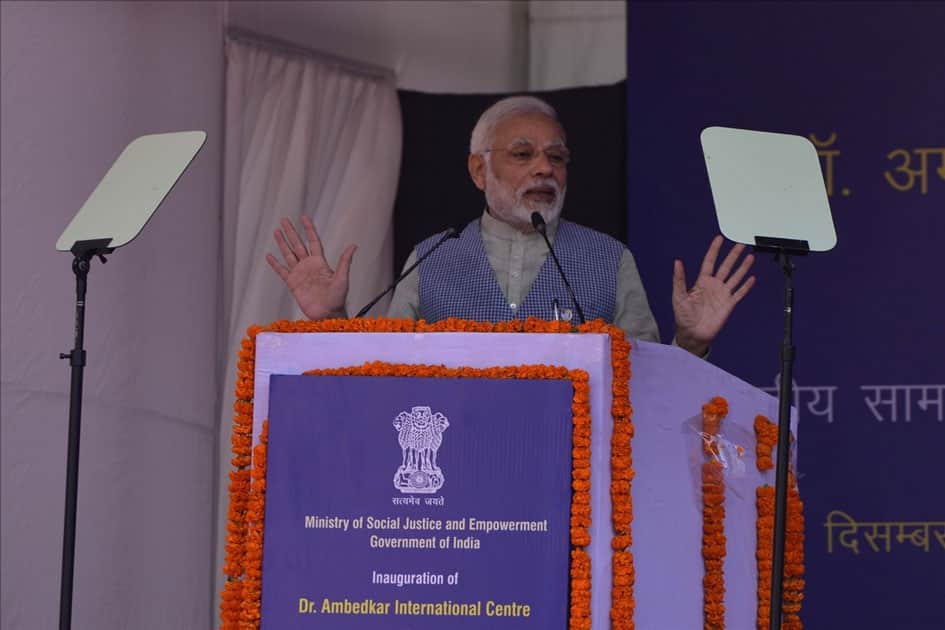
498,267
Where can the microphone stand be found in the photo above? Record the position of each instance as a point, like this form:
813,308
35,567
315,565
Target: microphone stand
83,252
450,233
538,222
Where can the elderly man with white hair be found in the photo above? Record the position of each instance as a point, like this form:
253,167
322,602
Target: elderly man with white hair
499,267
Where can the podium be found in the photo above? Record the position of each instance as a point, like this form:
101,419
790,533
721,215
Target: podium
668,388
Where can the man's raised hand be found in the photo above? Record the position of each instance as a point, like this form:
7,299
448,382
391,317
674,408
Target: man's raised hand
703,309
319,290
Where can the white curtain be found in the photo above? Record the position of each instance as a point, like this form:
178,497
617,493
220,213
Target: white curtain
303,135
574,44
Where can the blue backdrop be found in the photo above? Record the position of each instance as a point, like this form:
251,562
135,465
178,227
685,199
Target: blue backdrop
866,82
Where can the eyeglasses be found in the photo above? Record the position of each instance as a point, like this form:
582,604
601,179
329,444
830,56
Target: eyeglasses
524,154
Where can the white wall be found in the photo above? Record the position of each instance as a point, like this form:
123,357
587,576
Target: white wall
79,81
433,46
576,43
457,46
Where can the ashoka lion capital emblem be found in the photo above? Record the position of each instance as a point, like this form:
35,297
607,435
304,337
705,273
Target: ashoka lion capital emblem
420,434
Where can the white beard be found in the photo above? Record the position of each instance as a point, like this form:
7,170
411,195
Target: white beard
512,207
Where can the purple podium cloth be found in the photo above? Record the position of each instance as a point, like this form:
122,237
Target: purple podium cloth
667,389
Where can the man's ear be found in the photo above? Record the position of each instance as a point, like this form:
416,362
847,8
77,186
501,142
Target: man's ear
476,164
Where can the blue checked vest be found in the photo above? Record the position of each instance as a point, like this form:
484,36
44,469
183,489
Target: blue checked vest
458,281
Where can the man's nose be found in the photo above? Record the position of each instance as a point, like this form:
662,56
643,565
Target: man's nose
541,165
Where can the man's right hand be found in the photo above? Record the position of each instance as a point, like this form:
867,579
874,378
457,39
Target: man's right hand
319,291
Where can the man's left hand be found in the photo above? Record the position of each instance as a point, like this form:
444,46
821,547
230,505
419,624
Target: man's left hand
703,309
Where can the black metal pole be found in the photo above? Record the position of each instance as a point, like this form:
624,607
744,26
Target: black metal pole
784,437
80,266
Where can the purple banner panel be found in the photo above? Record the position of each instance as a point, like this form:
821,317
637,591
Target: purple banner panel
412,503
865,83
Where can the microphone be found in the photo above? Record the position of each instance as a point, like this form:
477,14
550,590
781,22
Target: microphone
448,234
539,223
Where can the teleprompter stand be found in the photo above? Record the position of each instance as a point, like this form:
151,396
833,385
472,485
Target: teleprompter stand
771,184
83,252
783,249
113,215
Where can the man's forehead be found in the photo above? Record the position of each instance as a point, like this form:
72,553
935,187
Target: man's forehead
534,128
525,140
